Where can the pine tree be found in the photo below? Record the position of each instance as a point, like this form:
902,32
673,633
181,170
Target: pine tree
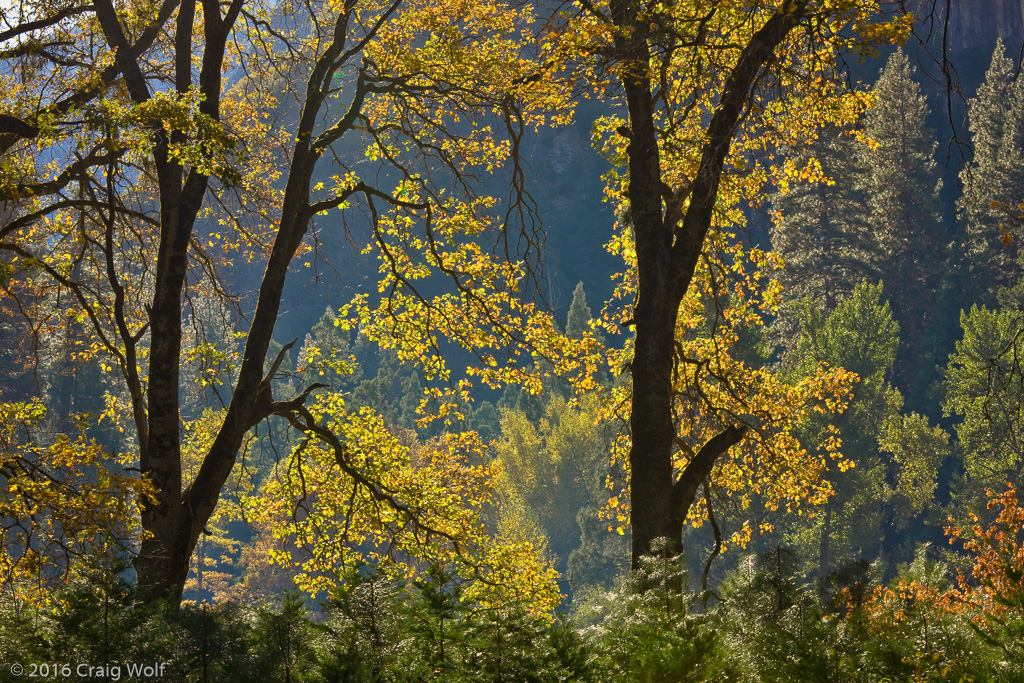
327,352
993,181
861,336
439,624
578,321
985,390
895,456
822,232
774,626
902,192
367,615
286,636
647,629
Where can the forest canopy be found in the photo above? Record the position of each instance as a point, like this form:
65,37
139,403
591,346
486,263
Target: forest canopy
282,319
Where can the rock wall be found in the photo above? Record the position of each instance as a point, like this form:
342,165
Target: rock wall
977,23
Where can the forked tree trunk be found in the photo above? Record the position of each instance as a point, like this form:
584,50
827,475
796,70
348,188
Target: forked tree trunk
179,510
668,245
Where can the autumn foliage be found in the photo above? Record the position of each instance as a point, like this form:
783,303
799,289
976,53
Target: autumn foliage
414,488
65,506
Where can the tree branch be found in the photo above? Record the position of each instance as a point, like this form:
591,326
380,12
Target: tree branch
699,468
731,106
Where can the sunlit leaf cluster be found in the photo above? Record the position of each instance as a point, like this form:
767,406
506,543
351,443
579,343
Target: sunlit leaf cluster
403,505
63,507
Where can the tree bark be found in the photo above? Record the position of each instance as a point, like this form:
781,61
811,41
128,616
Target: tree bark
179,516
825,543
170,520
667,251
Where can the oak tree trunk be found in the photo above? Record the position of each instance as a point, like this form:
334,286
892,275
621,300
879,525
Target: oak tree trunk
668,245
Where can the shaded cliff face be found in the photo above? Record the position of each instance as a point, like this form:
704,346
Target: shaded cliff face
977,23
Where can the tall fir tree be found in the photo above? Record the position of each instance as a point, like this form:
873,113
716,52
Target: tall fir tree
577,323
902,189
895,456
328,351
822,231
994,180
984,385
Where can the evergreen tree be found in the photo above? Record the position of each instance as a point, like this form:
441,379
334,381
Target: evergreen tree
518,400
17,343
985,389
900,183
438,624
578,321
395,392
822,230
774,628
994,180
286,638
73,384
219,643
861,336
364,629
647,630
895,457
484,420
508,644
328,350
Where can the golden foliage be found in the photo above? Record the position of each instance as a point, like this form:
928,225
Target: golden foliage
400,506
64,505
